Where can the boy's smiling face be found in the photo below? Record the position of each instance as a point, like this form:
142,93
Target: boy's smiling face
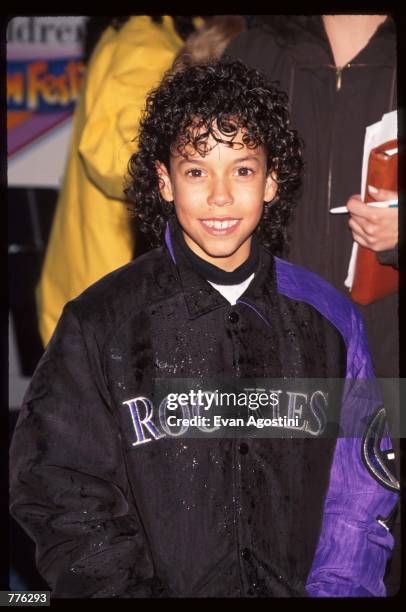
218,198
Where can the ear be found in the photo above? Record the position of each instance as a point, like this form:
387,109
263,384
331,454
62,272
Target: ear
271,187
164,181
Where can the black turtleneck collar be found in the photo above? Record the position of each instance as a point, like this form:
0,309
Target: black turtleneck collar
213,273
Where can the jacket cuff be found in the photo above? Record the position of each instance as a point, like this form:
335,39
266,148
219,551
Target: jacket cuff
389,258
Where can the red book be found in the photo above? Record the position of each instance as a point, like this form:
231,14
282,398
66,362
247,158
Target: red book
372,280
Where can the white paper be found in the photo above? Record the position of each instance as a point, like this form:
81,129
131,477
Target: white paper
375,135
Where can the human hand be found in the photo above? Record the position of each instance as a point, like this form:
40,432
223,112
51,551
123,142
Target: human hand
374,228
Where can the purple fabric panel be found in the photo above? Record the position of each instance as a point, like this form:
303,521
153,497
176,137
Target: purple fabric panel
168,241
300,284
334,574
353,547
361,394
350,479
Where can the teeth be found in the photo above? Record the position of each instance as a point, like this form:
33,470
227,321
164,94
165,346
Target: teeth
220,224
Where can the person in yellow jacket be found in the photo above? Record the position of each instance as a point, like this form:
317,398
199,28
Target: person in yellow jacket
92,233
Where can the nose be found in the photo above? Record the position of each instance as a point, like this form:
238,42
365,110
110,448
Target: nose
220,194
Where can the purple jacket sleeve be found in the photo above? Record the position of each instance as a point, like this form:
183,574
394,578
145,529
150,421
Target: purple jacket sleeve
354,547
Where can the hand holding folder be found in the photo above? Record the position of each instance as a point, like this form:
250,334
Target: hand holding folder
372,280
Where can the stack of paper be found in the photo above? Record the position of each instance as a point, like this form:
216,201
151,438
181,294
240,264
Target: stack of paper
375,135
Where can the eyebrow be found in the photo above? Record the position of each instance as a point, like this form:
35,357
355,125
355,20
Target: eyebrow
191,160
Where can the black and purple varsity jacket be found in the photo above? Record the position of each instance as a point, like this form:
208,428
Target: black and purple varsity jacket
117,508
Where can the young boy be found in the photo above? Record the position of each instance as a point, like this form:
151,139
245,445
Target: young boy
117,507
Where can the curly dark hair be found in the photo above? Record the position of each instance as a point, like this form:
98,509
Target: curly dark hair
208,100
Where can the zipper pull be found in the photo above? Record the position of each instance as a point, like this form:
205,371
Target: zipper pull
338,78
339,73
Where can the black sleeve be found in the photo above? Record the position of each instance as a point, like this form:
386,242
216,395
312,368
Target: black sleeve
69,488
389,258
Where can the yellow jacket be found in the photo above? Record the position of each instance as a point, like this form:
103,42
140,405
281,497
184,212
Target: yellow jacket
91,231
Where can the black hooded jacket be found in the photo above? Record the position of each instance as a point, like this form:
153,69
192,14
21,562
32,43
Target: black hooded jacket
330,108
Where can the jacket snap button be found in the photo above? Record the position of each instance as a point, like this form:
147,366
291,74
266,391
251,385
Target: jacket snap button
243,448
246,553
233,317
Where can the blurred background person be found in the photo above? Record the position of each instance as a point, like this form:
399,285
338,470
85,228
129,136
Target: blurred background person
340,74
92,232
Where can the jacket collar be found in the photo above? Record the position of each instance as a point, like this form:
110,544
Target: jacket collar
201,297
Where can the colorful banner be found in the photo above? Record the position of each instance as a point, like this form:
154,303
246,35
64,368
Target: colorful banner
40,95
43,86
45,73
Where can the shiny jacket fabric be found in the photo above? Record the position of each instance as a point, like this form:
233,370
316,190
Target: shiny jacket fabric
331,109
113,517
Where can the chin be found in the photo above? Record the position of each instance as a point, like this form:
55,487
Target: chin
221,250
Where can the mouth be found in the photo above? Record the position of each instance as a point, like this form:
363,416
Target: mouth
220,226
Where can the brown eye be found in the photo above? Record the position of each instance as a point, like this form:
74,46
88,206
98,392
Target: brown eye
194,173
244,171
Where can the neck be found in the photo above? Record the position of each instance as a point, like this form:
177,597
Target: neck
213,272
229,263
349,34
